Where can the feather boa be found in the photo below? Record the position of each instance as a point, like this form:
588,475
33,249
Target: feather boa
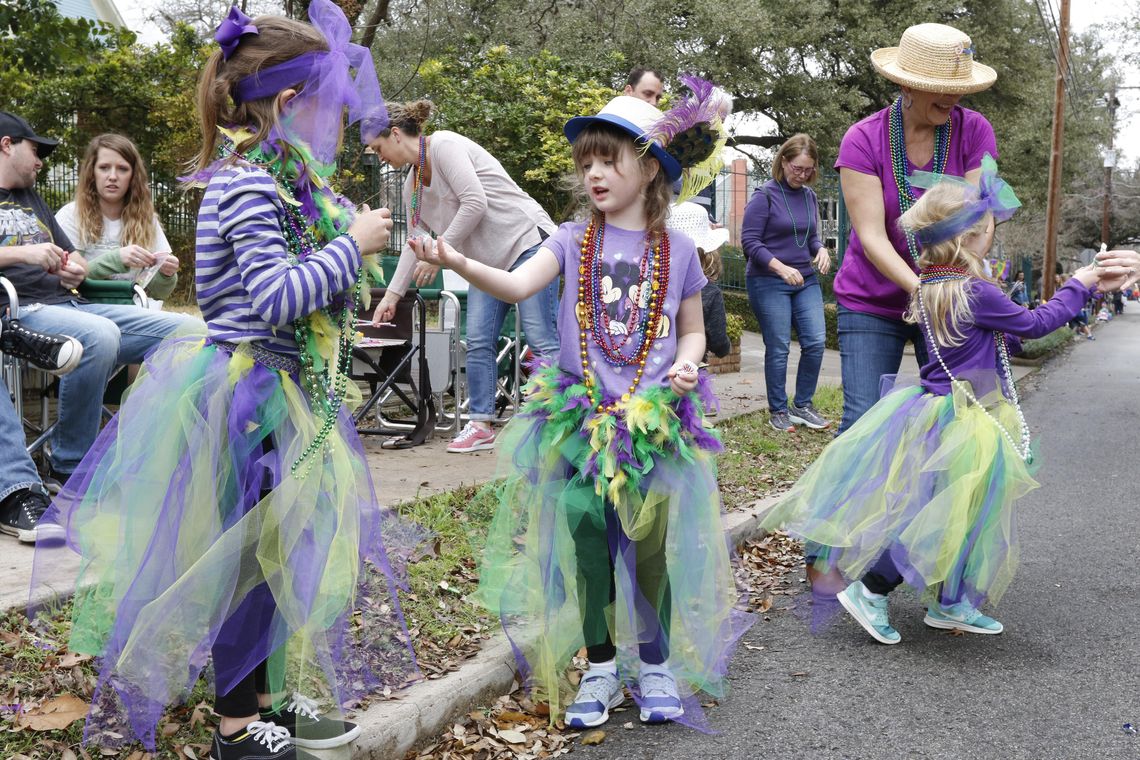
621,448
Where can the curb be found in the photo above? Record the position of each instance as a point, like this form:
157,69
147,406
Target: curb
428,708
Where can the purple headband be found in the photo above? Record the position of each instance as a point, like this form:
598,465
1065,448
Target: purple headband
233,27
324,79
992,196
274,79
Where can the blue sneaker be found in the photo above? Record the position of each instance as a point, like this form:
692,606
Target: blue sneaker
962,617
599,692
660,701
869,613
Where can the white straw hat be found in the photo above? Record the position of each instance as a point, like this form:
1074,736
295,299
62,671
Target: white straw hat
934,58
693,220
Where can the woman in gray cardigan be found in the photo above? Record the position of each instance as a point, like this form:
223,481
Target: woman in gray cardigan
459,191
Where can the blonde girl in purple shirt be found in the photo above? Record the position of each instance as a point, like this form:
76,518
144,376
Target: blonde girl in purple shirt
921,489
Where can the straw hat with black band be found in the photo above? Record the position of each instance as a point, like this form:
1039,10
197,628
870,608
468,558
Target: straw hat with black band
934,58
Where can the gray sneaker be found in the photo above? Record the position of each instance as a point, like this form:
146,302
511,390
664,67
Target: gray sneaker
782,422
806,415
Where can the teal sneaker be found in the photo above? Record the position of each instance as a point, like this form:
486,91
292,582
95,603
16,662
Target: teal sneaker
869,613
962,617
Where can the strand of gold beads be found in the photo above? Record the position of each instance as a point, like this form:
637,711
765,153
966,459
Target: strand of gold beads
584,310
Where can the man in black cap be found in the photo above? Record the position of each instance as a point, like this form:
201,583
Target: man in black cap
39,260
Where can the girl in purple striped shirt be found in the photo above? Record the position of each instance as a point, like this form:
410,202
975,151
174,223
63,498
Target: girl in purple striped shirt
236,524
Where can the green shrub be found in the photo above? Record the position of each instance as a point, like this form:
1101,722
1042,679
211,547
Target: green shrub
1044,346
734,327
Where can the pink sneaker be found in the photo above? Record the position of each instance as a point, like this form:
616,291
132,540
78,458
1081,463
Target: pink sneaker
472,438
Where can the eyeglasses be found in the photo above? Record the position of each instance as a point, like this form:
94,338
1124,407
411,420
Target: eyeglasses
801,171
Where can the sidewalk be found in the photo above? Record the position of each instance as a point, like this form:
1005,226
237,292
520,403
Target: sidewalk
391,727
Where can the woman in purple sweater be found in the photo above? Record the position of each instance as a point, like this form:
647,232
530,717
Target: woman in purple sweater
780,236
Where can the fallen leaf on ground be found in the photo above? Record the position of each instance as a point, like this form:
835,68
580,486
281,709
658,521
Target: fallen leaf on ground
593,737
55,714
513,737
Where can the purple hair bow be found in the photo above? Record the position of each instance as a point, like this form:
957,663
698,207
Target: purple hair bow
233,27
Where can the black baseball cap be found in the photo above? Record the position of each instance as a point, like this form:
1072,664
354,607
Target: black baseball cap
12,125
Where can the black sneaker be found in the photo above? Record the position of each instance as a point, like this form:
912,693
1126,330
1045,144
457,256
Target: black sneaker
58,354
259,741
308,728
20,515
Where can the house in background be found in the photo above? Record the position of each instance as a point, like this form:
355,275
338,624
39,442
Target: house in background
95,10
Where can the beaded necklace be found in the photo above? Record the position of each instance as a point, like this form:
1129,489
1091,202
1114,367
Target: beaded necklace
418,182
807,214
1022,448
593,321
899,163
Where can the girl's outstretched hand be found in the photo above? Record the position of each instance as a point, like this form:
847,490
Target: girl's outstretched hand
371,229
437,252
1088,276
683,377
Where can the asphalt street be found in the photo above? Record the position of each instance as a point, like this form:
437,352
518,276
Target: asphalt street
1058,684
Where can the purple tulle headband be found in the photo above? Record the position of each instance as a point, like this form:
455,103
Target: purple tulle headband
324,80
233,27
274,79
992,196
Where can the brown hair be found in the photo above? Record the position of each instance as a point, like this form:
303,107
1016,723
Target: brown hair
605,141
711,263
410,117
138,207
278,40
947,304
795,145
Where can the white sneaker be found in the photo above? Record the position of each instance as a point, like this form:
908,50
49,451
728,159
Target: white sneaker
599,692
659,701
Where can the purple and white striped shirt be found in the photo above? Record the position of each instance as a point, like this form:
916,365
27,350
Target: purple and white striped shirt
247,288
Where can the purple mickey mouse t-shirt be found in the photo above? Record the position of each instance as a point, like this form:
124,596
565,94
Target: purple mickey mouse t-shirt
624,302
859,285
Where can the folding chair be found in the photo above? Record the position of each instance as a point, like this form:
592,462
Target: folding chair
391,359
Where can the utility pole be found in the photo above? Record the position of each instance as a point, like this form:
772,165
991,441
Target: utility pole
1053,210
1109,165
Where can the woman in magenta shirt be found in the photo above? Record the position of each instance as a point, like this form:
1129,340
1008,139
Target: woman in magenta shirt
924,129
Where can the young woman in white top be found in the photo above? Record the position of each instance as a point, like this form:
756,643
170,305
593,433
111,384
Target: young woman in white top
112,219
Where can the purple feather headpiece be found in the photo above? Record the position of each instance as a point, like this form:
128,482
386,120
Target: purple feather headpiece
694,134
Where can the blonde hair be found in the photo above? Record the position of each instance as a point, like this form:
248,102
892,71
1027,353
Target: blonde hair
138,207
410,117
796,145
608,142
278,40
947,303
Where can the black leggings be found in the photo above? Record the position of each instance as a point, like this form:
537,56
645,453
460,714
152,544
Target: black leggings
598,591
247,627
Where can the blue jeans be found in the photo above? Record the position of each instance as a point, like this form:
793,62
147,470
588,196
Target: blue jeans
111,334
485,315
17,470
870,347
778,306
